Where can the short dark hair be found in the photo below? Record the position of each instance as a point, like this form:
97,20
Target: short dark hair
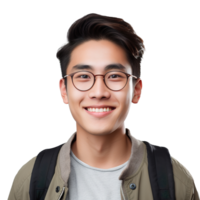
95,26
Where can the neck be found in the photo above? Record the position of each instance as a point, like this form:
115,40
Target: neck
102,151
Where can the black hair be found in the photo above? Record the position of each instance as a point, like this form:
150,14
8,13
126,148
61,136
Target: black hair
95,26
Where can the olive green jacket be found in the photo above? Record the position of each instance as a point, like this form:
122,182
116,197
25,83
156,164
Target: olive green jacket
136,172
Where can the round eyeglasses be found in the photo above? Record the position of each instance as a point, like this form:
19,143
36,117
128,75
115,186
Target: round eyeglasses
114,80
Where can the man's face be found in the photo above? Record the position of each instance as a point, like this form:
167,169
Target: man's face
98,54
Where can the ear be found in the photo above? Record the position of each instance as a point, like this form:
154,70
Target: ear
63,91
137,91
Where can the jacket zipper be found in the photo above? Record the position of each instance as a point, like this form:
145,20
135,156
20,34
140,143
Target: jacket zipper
61,193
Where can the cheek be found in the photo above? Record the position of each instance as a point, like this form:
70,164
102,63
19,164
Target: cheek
75,98
124,100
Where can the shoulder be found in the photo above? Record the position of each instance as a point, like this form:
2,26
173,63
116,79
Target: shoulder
25,171
184,182
181,173
20,187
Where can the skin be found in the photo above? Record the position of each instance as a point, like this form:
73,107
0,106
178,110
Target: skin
100,142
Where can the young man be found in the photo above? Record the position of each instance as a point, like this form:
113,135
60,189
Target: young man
101,160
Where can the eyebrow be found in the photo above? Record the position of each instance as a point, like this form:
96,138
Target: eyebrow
108,67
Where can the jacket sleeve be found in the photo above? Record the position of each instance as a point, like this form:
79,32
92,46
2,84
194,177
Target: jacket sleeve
195,195
12,193
21,183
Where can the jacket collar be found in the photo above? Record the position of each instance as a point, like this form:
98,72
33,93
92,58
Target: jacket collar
135,162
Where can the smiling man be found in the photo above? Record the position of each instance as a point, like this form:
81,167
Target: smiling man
102,160
100,104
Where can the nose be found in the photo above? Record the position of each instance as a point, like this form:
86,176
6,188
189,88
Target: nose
99,88
99,81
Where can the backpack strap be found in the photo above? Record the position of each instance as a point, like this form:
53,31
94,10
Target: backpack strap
160,172
43,171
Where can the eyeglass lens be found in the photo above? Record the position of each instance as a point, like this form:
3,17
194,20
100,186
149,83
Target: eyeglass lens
85,80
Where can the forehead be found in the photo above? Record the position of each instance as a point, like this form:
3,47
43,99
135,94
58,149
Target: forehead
98,54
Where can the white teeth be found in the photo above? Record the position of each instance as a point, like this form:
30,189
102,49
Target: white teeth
99,109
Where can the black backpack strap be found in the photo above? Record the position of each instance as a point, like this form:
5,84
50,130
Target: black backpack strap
43,172
160,172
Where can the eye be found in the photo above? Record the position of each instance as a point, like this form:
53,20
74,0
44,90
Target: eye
82,75
114,76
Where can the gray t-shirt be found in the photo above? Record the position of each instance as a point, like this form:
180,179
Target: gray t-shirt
89,183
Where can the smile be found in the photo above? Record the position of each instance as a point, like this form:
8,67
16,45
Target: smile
99,109
99,112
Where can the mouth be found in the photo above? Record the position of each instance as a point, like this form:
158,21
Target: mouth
100,111
112,108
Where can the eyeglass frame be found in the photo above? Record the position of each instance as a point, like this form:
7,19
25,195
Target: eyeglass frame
72,74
